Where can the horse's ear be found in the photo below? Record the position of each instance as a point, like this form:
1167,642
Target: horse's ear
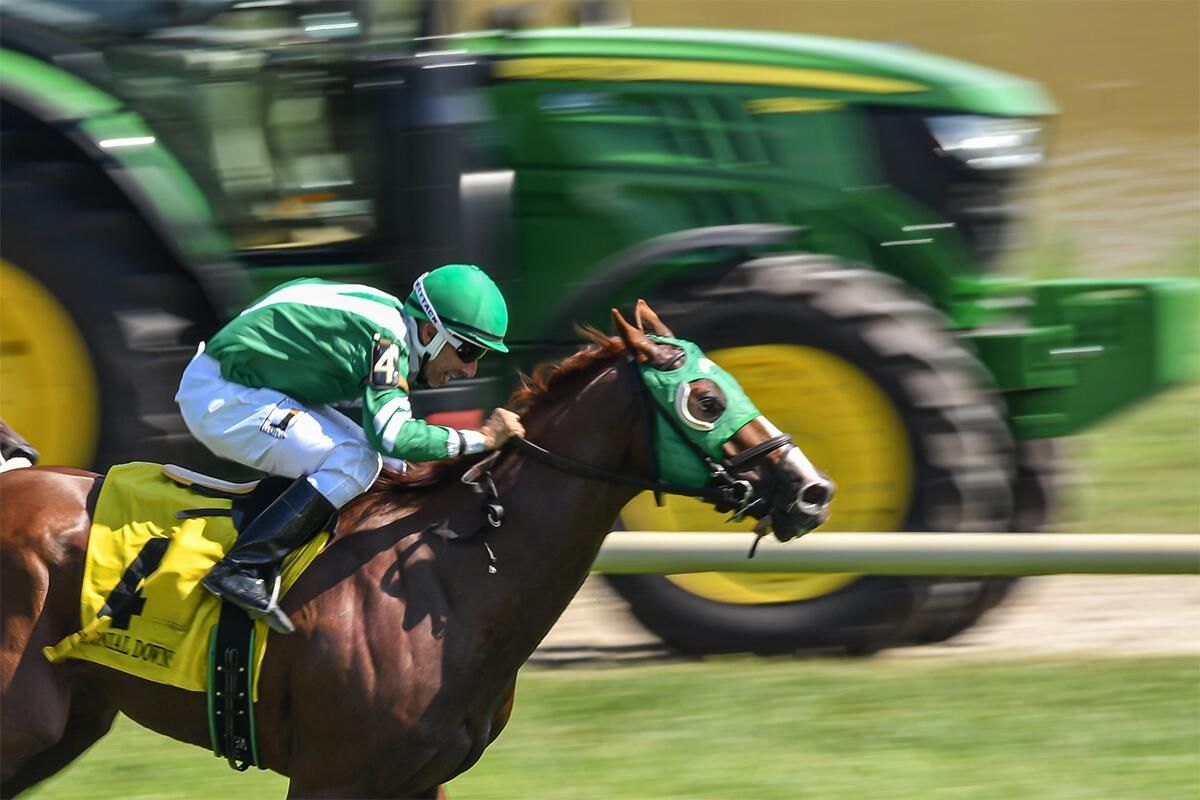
635,341
649,322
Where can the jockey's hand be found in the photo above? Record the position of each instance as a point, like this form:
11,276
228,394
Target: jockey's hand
501,426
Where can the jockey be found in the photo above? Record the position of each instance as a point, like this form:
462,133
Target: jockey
258,393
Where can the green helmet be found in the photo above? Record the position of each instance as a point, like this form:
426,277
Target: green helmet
465,301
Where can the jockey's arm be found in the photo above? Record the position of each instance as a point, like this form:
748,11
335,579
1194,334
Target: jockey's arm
392,430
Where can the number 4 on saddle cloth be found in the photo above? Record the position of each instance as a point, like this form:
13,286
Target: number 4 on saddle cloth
156,531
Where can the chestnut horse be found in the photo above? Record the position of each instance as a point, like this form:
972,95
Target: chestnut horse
405,656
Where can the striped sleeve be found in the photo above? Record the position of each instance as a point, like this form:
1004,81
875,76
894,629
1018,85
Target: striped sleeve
391,429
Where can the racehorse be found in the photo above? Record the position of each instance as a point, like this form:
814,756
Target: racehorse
403,665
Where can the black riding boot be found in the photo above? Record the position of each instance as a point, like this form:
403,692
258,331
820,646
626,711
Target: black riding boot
248,575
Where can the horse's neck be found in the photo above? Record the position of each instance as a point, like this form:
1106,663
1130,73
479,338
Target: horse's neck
596,429
555,522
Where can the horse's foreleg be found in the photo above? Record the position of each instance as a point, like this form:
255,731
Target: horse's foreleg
36,697
91,716
47,721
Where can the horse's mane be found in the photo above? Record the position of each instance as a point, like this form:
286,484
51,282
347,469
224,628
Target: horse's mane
548,380
546,383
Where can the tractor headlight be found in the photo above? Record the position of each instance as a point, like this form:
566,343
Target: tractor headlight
989,142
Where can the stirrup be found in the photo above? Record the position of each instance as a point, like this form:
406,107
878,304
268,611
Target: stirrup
274,617
278,621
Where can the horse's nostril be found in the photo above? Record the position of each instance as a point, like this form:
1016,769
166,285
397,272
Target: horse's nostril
815,494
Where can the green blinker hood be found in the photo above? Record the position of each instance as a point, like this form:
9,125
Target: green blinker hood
677,462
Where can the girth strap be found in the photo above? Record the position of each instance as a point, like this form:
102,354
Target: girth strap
230,689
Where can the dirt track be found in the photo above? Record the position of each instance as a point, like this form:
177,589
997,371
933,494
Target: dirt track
1096,616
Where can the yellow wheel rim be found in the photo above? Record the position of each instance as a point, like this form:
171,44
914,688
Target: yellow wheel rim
47,384
844,423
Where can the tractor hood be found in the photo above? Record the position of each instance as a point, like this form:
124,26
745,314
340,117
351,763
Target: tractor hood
812,66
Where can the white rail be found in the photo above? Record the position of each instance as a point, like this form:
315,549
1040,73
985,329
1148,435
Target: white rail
904,553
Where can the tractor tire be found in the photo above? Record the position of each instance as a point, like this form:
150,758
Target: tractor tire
1035,492
865,377
98,321
1040,479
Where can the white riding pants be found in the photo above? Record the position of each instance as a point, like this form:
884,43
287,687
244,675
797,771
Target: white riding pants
267,430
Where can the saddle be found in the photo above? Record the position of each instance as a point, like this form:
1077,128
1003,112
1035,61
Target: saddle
156,531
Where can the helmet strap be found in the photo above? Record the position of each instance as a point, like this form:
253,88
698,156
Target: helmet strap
422,380
421,354
429,352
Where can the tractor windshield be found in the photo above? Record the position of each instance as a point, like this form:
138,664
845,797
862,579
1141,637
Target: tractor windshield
256,97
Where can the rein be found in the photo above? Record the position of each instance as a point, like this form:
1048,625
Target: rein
582,470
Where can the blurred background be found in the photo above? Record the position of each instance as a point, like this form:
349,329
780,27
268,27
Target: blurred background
1119,190
1060,141
1118,194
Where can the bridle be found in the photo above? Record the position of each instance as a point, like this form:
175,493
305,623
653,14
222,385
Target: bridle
725,490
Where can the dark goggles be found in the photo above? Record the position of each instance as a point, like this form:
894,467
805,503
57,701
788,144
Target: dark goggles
469,352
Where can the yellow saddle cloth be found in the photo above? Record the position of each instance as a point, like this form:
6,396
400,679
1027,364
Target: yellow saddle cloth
139,546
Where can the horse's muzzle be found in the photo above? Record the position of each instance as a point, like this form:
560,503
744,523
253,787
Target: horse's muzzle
802,499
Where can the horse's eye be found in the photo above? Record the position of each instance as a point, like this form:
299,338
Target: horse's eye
700,403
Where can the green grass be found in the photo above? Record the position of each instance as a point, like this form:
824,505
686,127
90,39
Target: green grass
1140,472
1106,729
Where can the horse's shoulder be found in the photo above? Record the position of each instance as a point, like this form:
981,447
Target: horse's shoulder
38,491
44,512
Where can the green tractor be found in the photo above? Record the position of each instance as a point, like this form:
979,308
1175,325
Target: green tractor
823,216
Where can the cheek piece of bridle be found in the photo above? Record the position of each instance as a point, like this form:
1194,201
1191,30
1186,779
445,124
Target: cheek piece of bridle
726,492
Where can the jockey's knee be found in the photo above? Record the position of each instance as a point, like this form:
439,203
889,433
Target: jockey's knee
395,464
345,475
